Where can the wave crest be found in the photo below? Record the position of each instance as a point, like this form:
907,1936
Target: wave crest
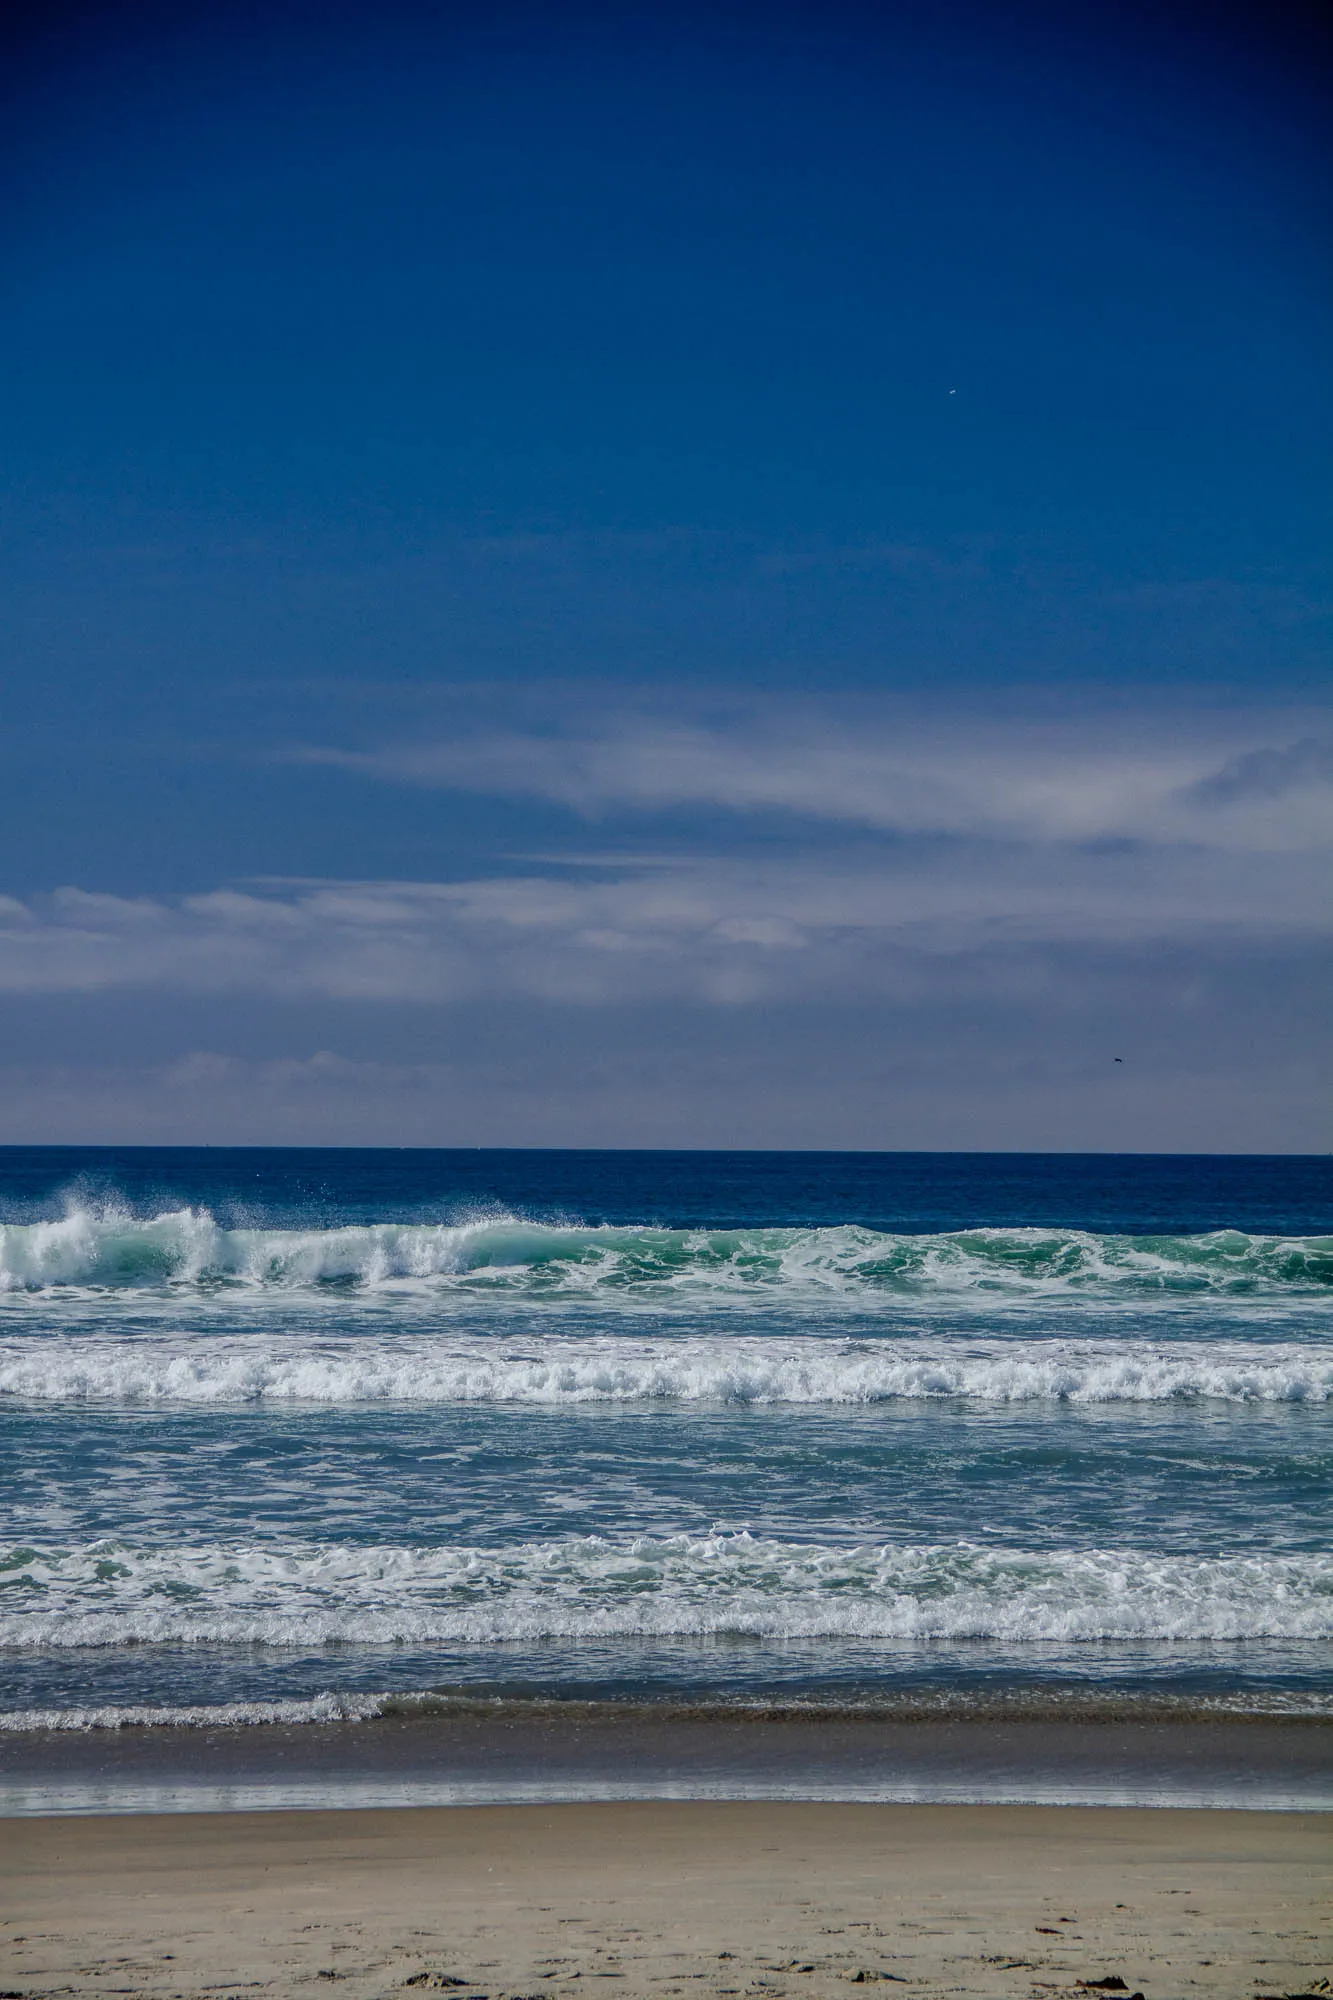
188,1247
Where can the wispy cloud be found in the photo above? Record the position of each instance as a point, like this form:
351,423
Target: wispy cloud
1239,782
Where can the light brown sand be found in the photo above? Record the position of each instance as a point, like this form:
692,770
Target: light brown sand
754,1900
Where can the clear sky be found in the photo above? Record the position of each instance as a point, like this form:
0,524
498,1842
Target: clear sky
630,575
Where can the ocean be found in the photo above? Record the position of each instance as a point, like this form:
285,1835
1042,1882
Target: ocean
317,1437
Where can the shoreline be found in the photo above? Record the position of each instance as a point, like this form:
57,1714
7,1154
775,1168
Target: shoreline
505,1903
492,1754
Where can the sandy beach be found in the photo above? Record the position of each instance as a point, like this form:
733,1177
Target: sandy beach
671,1898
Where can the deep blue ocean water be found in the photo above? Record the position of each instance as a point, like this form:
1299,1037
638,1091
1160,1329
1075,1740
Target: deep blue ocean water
280,1426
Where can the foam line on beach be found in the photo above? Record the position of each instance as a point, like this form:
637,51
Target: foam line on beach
429,1705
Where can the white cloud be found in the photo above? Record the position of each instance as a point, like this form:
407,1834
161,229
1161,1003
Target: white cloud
931,856
1224,779
794,927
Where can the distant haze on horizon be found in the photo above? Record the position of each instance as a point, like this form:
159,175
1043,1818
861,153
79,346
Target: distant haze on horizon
731,577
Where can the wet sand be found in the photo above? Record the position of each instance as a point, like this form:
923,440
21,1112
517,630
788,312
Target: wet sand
528,1752
755,1899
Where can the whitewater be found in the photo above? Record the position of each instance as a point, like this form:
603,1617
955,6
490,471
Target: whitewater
565,1370
107,1246
296,1436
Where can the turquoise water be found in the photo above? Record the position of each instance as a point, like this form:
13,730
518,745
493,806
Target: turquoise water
298,1428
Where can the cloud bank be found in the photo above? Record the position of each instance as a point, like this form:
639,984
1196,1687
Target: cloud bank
619,929
895,849
786,927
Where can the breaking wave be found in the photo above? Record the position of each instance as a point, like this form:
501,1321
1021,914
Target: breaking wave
747,1370
722,1584
188,1247
201,1715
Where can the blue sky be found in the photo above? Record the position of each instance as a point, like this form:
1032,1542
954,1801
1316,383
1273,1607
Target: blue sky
631,576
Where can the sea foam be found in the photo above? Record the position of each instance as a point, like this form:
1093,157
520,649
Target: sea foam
718,1585
558,1369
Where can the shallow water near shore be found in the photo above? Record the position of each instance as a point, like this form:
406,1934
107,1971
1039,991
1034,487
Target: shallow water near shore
291,1430
508,1753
